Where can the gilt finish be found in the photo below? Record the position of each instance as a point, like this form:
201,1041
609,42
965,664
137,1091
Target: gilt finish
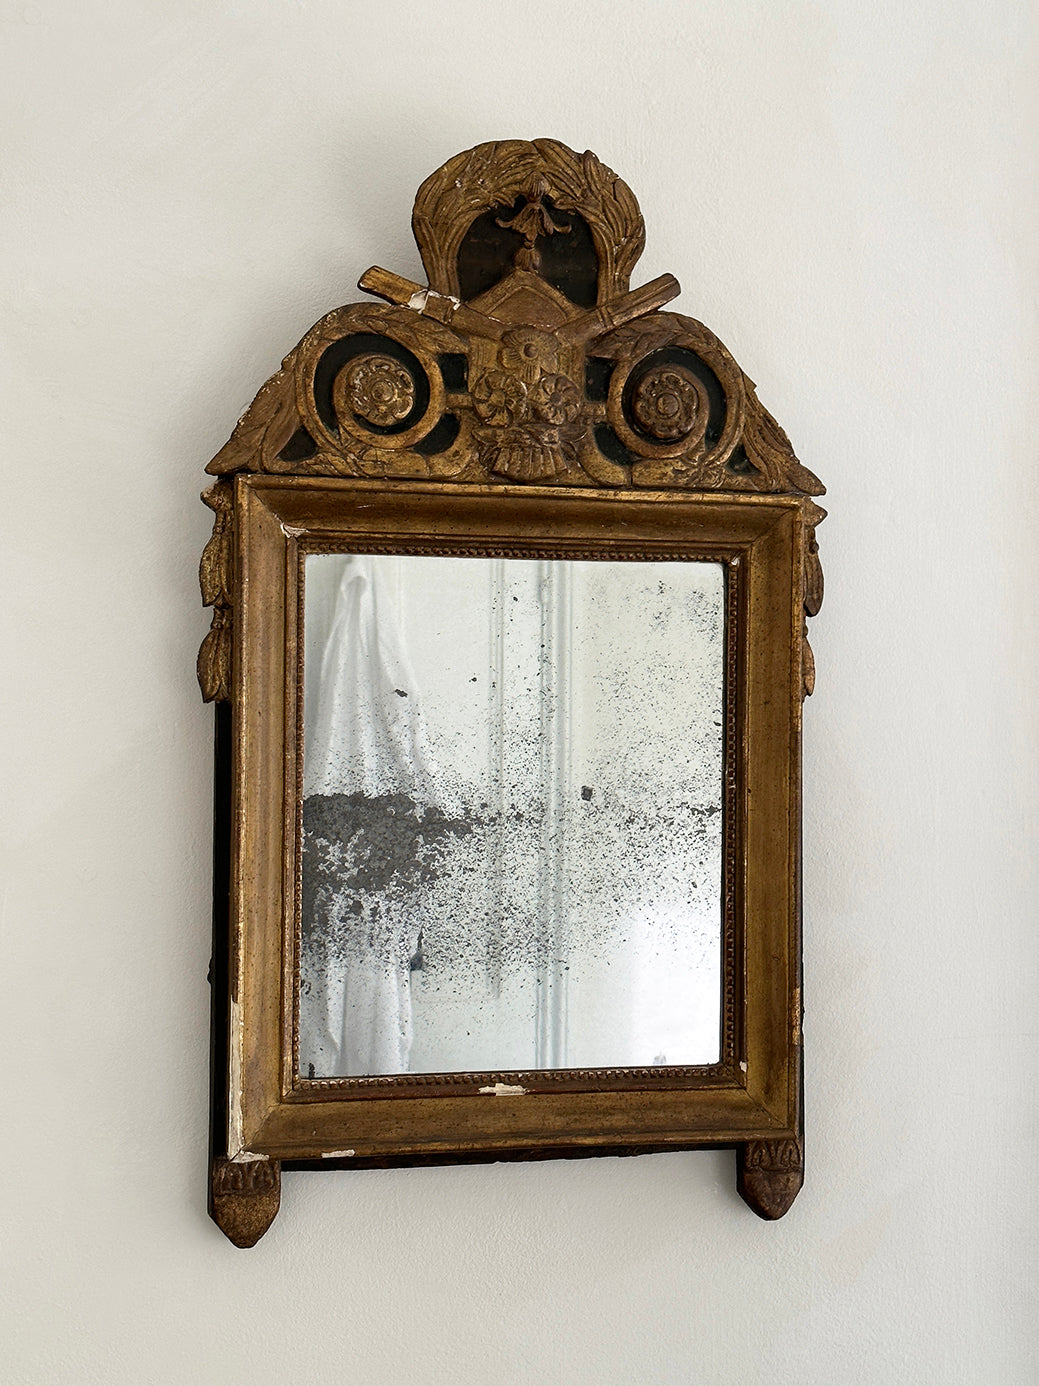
554,373
525,360
244,1197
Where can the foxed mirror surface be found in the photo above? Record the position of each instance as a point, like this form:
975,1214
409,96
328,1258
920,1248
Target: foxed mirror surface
512,814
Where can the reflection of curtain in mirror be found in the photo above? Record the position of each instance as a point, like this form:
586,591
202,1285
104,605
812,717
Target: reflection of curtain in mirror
364,743
383,752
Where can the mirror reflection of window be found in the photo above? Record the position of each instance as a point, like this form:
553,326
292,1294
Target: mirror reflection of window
512,814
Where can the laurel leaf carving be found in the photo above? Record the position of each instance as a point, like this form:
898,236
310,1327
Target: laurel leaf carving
769,449
813,575
264,428
214,659
216,579
808,668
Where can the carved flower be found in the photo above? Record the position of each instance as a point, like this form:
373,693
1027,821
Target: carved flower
498,398
665,403
556,399
534,219
527,353
379,390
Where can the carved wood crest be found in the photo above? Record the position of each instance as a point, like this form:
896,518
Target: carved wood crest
526,359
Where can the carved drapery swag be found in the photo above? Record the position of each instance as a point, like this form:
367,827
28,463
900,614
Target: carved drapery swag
526,359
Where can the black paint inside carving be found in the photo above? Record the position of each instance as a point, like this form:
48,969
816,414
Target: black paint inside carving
611,446
440,437
454,368
597,373
740,463
341,353
487,251
568,259
299,447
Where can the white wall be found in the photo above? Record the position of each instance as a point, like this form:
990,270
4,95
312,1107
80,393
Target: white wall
847,193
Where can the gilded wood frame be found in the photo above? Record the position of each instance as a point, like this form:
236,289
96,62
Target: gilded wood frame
314,466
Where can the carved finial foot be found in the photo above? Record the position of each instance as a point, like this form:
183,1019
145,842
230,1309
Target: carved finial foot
244,1198
769,1175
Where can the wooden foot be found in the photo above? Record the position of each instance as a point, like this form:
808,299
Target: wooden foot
244,1197
769,1174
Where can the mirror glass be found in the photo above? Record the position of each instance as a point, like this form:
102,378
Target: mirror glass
512,814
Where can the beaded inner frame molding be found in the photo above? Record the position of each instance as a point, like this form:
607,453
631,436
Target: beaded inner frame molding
524,402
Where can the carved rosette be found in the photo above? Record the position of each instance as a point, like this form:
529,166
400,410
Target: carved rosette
667,402
375,389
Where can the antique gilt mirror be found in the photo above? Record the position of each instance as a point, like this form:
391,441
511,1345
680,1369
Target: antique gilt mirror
509,577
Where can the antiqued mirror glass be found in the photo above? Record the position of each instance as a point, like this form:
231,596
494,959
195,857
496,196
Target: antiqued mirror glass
512,814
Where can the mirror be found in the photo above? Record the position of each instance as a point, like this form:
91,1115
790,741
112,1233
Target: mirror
512,804
509,576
